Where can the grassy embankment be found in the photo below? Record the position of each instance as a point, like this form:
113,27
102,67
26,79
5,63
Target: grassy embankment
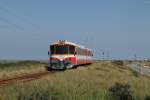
84,83
12,68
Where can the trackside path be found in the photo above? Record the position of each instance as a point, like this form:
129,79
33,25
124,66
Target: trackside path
140,69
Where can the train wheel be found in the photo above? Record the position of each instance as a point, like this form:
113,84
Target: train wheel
49,68
65,67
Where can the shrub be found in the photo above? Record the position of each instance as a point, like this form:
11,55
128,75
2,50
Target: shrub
130,61
121,92
135,73
147,98
118,62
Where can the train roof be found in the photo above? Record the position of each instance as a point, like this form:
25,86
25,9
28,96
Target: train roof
69,43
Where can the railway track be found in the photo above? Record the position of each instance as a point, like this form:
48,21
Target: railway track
23,78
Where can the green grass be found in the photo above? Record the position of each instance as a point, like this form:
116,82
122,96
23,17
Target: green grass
146,63
12,68
18,64
84,83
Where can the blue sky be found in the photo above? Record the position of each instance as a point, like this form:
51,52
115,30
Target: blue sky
120,27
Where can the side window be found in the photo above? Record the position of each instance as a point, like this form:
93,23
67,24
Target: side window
71,49
52,49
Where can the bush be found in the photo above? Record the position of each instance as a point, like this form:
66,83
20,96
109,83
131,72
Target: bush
121,92
147,98
130,61
118,62
135,73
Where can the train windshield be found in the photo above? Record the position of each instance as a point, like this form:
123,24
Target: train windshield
62,49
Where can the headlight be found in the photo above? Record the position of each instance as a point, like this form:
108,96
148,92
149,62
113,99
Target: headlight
67,61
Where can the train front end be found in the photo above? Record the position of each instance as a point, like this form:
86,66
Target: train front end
61,56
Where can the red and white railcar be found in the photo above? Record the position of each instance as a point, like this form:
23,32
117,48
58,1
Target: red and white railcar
64,54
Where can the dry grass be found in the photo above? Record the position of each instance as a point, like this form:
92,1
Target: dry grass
84,83
8,69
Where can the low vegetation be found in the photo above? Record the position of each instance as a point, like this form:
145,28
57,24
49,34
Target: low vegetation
146,63
99,81
147,98
18,64
12,68
118,62
121,92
